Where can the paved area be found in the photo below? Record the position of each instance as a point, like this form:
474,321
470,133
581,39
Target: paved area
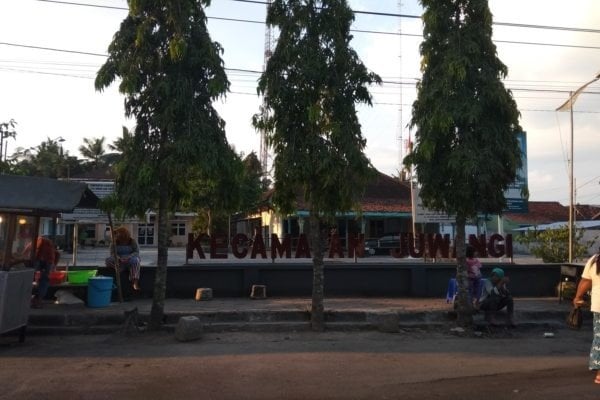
412,365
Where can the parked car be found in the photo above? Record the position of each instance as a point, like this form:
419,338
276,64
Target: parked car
383,245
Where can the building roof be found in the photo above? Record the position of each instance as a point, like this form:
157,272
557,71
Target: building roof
587,212
386,194
383,194
562,224
540,212
43,196
105,173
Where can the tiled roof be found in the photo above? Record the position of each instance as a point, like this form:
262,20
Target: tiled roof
382,194
587,212
541,212
386,194
98,174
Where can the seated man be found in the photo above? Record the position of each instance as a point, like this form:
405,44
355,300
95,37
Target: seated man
495,296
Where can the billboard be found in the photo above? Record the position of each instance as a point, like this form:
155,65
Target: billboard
515,194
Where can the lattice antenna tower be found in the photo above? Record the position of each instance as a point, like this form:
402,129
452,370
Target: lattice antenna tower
269,44
402,145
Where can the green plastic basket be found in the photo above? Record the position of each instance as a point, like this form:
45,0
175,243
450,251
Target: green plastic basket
80,276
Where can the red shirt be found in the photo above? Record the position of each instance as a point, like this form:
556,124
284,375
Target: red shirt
45,250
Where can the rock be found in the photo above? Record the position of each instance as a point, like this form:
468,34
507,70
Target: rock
188,328
258,292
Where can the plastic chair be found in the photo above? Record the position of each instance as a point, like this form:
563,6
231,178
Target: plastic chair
451,292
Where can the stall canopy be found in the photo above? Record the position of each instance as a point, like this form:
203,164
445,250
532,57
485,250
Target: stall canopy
43,196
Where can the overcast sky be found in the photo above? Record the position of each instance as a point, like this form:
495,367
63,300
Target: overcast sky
51,94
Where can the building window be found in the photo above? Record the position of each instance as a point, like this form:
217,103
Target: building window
146,234
178,229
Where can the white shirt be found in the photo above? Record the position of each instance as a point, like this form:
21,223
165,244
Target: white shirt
589,272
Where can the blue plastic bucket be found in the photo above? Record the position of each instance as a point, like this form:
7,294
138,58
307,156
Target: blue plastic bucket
99,291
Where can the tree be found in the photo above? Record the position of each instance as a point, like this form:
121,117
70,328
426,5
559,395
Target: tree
311,84
466,122
551,245
253,184
170,73
47,159
214,197
7,130
93,150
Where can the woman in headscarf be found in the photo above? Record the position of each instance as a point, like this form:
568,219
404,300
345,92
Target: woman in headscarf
128,253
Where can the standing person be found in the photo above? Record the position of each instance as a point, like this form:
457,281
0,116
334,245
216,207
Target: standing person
495,296
128,252
44,261
590,280
473,272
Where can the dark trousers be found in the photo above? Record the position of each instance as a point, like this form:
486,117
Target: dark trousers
496,302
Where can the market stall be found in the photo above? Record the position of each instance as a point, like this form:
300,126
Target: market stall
24,201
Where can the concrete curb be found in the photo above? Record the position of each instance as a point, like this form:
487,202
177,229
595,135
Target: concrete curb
82,322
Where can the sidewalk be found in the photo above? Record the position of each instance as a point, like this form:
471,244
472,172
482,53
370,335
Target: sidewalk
288,314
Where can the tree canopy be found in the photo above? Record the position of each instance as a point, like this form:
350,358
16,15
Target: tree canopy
465,120
311,84
170,72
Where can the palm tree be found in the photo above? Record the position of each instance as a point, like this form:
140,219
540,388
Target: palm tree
93,150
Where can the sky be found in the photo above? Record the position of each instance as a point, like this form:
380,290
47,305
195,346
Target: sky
51,94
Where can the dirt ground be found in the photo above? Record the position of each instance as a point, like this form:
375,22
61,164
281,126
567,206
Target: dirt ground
416,364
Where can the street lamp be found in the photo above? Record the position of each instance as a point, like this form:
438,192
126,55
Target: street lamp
568,106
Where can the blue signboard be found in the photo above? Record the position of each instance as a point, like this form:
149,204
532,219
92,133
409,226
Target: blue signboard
516,194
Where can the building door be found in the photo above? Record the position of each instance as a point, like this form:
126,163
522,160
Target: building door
145,234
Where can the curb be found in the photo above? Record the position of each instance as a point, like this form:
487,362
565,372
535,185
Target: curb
279,321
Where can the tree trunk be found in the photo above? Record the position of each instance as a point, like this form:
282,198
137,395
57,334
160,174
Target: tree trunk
464,306
317,314
160,281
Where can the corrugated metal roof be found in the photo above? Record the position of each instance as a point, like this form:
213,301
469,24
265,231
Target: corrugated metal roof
562,224
43,196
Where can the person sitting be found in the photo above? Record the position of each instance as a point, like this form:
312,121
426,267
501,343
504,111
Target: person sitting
495,296
44,261
473,272
128,253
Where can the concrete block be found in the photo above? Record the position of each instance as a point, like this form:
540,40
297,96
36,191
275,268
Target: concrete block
258,292
188,328
203,294
389,322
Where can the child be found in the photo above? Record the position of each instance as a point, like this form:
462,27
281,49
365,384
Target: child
473,272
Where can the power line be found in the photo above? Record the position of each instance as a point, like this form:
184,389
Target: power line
384,14
54,49
511,24
520,89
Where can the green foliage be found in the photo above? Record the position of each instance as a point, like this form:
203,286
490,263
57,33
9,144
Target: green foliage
466,120
311,84
93,149
170,72
7,130
552,245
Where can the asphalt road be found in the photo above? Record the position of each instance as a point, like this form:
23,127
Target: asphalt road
331,365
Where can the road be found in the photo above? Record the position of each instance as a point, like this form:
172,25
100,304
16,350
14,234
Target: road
301,365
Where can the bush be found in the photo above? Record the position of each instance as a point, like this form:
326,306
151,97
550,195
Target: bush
552,245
